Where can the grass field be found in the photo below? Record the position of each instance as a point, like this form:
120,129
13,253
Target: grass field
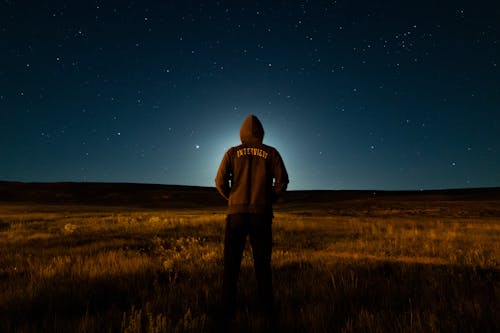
104,269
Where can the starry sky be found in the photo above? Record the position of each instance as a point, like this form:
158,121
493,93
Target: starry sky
387,95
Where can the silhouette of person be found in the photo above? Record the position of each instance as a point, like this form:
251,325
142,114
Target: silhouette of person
251,176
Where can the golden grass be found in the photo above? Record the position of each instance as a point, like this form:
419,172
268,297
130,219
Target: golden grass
91,269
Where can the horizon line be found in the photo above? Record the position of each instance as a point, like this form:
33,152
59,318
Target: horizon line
213,187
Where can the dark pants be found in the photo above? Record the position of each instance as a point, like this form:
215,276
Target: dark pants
258,227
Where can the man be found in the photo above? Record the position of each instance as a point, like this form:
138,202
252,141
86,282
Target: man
251,176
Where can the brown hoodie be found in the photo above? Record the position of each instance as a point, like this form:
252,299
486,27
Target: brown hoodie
251,175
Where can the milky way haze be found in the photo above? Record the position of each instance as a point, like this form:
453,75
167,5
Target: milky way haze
354,94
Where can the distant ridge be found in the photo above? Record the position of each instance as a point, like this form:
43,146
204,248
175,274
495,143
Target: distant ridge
487,193
114,194
158,195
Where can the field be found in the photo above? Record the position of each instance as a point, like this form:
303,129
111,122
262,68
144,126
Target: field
340,264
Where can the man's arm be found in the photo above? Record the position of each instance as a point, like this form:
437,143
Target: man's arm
224,176
280,176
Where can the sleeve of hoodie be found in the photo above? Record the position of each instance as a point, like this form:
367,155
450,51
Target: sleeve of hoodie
224,176
280,176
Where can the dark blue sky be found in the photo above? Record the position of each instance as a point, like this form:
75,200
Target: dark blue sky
354,94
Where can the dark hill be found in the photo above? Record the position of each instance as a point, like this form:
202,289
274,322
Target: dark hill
110,194
457,202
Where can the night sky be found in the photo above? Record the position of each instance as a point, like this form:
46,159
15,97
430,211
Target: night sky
383,95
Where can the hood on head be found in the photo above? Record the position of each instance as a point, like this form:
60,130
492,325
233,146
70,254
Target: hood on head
251,130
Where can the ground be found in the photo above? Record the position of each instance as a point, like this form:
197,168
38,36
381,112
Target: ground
342,262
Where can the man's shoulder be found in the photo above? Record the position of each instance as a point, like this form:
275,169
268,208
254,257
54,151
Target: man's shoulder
271,149
268,147
233,149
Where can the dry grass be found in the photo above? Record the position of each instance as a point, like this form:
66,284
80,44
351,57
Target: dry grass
88,269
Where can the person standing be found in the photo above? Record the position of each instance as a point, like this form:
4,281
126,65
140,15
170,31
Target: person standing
251,177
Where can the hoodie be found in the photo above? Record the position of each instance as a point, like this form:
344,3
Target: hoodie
251,175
